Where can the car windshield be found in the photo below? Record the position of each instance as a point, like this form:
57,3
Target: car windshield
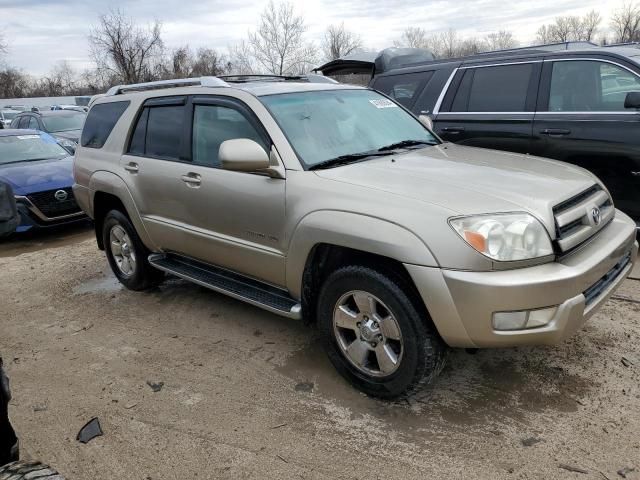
9,115
332,124
26,148
64,123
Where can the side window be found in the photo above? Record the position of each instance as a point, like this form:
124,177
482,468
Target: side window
136,147
212,125
501,88
403,88
164,131
24,121
33,124
100,121
590,86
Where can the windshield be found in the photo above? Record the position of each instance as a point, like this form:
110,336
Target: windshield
324,125
25,148
64,123
9,115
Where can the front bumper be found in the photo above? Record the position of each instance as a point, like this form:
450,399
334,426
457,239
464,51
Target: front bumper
462,303
31,217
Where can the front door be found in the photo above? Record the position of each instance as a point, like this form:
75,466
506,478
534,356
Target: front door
581,119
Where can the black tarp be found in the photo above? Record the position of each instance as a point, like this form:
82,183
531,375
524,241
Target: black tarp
8,212
8,439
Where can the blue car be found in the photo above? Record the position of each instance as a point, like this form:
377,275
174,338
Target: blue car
39,172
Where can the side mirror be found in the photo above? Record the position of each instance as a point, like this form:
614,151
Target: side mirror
242,155
426,121
632,100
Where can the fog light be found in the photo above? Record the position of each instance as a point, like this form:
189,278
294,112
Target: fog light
523,319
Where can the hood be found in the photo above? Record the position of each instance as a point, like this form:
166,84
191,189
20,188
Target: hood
30,177
73,135
467,180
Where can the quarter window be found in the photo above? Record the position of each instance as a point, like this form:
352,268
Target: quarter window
100,121
212,125
590,86
403,88
501,88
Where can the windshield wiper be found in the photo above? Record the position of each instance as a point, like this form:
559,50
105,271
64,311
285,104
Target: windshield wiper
346,159
405,143
31,160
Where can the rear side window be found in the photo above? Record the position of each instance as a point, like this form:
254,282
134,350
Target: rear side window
494,89
403,88
100,121
158,132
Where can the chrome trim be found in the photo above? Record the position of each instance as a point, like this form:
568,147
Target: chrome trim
501,64
489,113
436,108
35,210
294,313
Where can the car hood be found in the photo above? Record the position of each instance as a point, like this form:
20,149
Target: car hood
73,135
30,177
467,180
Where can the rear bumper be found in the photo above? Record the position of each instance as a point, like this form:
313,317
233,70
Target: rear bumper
462,303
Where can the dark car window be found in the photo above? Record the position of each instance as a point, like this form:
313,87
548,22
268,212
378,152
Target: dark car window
136,147
212,125
403,88
64,123
163,132
100,121
33,123
590,86
501,88
24,121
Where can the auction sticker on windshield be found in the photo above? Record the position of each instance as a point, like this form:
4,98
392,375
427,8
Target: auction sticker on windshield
383,103
27,137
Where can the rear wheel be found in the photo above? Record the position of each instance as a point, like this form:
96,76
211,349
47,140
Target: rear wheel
127,254
374,333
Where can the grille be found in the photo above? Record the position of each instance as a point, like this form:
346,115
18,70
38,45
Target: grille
51,207
595,290
575,222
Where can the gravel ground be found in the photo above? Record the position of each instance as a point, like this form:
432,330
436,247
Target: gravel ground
246,394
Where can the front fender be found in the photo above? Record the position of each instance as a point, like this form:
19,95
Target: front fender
107,182
351,230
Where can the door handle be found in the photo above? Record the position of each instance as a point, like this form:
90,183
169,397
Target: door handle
557,132
132,167
453,129
191,179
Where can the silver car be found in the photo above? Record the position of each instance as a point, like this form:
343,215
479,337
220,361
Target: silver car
334,204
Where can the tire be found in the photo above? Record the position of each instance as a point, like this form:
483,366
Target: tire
28,470
419,352
131,267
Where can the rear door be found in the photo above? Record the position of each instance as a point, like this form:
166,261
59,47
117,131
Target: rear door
581,119
490,106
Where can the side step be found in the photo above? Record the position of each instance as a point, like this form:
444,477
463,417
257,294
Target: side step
238,286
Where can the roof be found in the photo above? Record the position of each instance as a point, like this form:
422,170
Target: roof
54,113
12,132
273,88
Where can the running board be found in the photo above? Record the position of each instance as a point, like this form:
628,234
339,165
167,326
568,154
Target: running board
238,286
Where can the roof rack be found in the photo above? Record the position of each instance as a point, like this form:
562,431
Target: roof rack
178,82
310,78
548,47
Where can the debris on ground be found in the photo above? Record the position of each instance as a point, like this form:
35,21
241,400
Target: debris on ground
571,468
90,431
624,471
531,441
156,387
626,362
305,387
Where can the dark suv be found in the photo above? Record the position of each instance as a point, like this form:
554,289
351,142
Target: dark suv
580,104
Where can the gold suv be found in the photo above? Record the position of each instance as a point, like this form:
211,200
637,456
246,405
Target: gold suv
333,203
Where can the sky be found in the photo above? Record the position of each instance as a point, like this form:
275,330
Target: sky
41,33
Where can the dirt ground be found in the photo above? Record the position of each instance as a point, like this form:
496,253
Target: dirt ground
247,394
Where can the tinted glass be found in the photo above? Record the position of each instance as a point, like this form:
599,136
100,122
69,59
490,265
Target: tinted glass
137,140
326,124
24,121
27,148
403,88
164,131
33,123
100,121
214,124
590,86
495,89
64,123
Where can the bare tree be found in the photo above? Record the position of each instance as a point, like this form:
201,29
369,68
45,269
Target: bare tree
500,40
590,23
125,50
4,48
241,60
625,23
413,37
279,45
13,83
338,42
570,29
208,62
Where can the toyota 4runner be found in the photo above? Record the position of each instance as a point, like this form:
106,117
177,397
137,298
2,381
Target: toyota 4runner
334,204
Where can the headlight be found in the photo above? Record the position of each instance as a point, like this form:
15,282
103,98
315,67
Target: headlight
68,145
505,236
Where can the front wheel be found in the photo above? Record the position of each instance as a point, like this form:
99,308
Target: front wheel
374,333
126,253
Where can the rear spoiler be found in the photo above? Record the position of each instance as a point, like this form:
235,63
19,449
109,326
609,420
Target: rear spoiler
375,63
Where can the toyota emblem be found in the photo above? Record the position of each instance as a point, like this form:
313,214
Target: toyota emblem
61,195
595,215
